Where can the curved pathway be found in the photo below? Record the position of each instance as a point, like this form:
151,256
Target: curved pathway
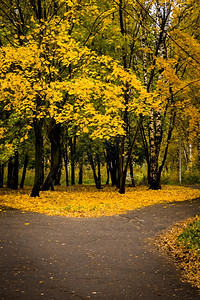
59,258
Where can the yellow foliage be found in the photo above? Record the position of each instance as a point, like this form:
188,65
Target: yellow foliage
32,86
87,201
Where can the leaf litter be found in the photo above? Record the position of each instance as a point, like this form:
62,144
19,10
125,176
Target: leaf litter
87,201
187,259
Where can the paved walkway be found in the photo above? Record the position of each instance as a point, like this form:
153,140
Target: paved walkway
104,258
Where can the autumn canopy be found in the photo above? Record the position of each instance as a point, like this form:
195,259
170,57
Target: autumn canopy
96,82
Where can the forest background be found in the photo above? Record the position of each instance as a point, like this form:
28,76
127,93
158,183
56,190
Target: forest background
113,85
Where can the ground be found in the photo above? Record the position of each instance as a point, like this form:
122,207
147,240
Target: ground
109,257
87,201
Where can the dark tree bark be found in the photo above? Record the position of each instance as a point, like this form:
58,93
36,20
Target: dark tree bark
13,172
1,175
107,167
198,148
125,168
10,172
112,150
24,171
65,156
57,177
98,185
108,173
122,178
80,175
145,144
39,164
114,173
91,160
122,172
65,142
155,137
72,144
131,173
54,136
16,171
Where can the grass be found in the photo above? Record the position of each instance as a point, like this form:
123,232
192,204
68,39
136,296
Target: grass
182,243
190,237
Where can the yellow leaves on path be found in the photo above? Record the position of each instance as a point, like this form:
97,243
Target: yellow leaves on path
185,258
87,201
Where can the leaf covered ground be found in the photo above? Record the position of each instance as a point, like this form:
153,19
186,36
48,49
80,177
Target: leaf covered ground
87,201
186,255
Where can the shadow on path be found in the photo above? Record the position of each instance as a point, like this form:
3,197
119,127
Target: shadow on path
49,257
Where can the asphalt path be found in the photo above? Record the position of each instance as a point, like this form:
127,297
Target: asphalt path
60,258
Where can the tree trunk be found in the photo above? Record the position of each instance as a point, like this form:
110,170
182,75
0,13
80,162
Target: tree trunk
155,181
13,172
155,142
10,173
72,156
198,158
107,167
155,124
131,173
145,144
122,180
112,150
57,177
98,186
114,170
65,155
154,174
123,170
24,171
108,172
113,173
80,175
54,136
1,175
16,171
179,164
90,158
39,164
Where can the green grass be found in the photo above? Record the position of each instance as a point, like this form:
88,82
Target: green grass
190,237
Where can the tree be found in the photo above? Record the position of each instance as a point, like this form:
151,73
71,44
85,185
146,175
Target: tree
90,104
110,90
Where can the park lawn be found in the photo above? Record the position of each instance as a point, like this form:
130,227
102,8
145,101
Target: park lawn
182,243
87,201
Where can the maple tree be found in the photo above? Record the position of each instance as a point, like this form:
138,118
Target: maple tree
32,81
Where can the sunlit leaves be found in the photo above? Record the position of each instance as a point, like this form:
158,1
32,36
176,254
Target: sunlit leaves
87,201
56,77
